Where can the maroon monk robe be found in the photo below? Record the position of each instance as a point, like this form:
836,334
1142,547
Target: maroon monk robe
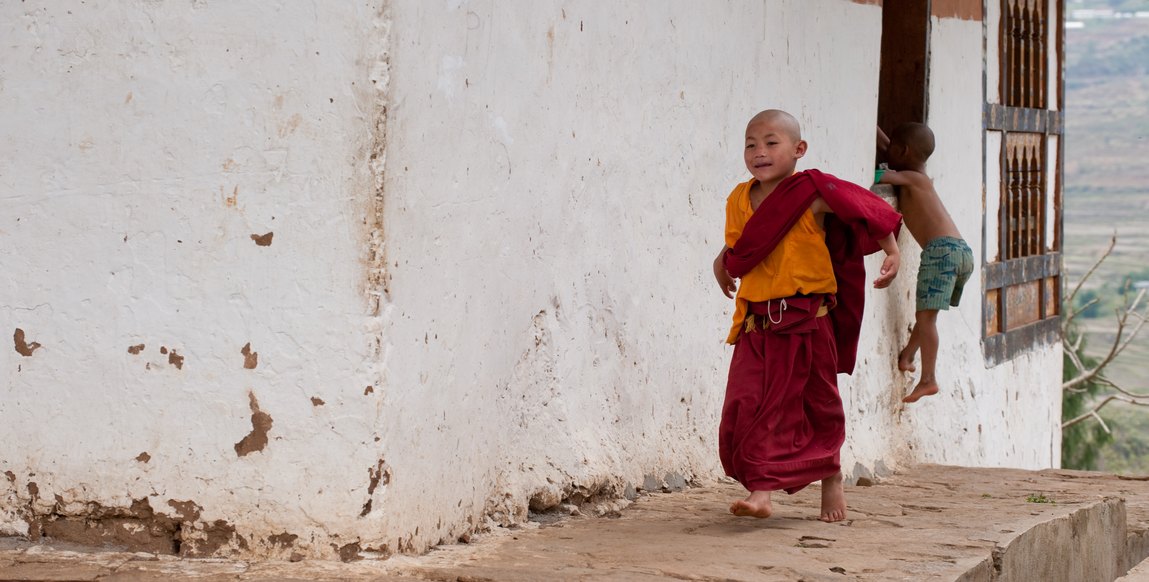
782,421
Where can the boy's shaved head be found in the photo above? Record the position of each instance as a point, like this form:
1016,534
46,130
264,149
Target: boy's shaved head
783,120
915,136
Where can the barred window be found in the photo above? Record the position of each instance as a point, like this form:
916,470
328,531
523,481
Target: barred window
1023,283
1023,195
1024,63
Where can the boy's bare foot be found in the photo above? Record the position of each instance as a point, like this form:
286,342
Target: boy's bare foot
757,504
906,360
833,499
922,389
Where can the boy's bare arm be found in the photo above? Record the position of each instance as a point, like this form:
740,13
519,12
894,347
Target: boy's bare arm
908,178
925,215
725,281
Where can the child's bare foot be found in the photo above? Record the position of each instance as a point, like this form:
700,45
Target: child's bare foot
906,360
922,389
833,499
757,504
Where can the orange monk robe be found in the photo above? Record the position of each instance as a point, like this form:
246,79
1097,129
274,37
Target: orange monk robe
800,264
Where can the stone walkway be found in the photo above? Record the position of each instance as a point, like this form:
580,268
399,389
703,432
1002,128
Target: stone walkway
930,523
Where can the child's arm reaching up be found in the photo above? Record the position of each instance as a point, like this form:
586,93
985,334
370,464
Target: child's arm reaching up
725,281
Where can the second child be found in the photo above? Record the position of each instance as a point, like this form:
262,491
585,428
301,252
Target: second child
946,260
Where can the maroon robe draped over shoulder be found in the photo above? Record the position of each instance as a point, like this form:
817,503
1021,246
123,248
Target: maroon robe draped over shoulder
859,221
782,420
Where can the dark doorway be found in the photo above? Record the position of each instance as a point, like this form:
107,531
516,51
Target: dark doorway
903,83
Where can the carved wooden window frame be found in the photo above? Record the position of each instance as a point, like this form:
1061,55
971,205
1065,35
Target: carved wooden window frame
1022,288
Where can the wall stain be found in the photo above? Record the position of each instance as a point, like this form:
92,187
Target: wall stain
261,423
216,535
136,349
143,457
23,347
138,527
291,125
349,552
380,474
11,476
263,240
186,510
250,358
283,540
233,200
317,401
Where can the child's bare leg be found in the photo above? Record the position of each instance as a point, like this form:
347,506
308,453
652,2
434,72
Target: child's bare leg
833,499
757,504
927,330
906,356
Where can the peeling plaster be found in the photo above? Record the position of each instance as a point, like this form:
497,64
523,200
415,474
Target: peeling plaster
261,423
250,358
22,347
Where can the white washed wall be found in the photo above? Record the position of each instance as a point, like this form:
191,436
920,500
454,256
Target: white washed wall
489,277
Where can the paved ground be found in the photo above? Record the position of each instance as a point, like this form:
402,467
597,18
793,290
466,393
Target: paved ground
933,522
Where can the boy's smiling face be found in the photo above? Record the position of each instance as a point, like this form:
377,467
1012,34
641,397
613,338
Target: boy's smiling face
773,148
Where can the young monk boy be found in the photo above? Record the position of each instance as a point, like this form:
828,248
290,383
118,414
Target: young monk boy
947,260
796,240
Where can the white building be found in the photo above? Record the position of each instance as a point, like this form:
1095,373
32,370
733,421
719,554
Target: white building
360,278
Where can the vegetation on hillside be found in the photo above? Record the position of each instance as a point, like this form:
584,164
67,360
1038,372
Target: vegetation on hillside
1107,191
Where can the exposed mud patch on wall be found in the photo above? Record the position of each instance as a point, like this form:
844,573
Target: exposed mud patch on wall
136,349
143,457
137,528
250,358
378,475
261,423
263,240
282,540
349,552
23,347
173,357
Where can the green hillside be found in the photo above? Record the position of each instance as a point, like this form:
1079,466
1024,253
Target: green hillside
1107,190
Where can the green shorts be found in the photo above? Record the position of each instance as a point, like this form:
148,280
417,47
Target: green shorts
947,263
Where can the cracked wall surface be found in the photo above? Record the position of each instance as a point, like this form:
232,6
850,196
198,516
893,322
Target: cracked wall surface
354,279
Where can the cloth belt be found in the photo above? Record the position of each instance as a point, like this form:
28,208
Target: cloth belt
762,322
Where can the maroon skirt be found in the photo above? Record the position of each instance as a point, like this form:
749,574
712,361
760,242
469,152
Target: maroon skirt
782,421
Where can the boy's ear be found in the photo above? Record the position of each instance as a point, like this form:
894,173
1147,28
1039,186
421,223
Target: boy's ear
800,149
